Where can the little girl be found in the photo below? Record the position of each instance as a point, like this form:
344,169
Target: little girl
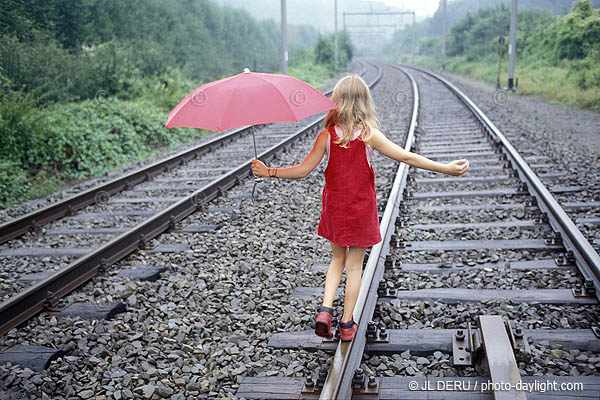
349,217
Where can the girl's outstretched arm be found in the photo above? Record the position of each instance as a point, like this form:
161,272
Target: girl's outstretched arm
297,171
390,149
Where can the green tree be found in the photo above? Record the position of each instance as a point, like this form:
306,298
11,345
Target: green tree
346,47
324,51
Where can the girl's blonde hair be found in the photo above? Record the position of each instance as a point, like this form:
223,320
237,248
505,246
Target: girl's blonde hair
356,110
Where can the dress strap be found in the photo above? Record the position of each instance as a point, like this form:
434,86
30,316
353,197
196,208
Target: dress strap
332,132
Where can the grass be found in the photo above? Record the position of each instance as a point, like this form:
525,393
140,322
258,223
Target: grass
552,83
316,75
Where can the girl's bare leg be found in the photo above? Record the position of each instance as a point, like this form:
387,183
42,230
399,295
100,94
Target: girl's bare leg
334,274
354,264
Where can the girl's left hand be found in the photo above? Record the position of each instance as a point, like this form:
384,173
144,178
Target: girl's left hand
259,168
457,167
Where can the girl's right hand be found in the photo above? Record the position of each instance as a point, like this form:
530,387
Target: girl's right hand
457,167
259,168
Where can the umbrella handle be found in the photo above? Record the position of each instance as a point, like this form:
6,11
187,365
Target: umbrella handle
254,140
257,179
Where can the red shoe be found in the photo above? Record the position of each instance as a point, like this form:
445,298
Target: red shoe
347,330
323,325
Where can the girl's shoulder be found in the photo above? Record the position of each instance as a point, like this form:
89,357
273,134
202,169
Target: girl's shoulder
329,131
323,137
374,136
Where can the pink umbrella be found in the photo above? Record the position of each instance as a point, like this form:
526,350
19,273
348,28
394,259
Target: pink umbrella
249,98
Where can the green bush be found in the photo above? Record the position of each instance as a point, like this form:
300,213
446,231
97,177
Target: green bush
586,71
324,49
90,137
17,126
570,37
14,183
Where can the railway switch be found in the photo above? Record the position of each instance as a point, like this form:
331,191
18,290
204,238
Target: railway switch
462,345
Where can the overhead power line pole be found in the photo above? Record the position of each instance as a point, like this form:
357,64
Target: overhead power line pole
337,51
512,47
284,53
382,25
443,34
414,43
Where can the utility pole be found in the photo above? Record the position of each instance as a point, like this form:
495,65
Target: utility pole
414,43
500,52
284,53
443,34
512,47
348,27
337,52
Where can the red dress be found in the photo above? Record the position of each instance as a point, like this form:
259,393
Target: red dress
349,204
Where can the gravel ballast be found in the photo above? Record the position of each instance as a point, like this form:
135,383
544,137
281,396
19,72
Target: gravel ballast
205,324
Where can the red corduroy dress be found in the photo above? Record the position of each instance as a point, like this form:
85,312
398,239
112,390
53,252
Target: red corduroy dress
349,204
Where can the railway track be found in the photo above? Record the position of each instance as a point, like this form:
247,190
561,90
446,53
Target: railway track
94,229
235,299
453,300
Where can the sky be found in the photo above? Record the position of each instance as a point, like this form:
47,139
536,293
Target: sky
423,8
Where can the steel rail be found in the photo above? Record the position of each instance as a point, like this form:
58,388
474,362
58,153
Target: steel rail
348,355
40,295
586,257
35,219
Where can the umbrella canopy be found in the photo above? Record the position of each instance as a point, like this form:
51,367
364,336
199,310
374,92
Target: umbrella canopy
249,98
